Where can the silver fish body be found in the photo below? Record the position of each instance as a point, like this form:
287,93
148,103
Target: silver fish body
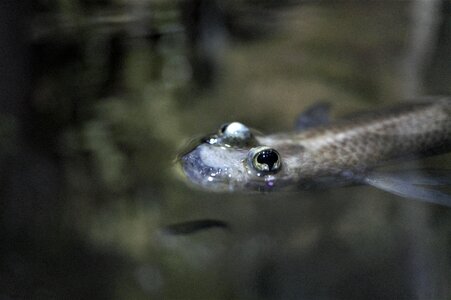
368,140
331,153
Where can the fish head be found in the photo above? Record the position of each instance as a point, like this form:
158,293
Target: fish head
238,158
221,168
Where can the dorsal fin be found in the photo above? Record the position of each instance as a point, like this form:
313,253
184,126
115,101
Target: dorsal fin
315,115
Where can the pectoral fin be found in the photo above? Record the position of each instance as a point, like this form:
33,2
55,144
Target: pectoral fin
316,115
419,185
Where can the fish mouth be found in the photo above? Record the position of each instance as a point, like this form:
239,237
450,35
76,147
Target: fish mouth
198,172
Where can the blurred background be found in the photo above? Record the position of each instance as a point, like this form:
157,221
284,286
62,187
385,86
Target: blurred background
98,96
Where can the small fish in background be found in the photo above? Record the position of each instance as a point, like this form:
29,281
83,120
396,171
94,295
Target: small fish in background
323,154
190,227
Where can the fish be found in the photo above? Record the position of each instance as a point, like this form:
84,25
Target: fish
194,226
324,153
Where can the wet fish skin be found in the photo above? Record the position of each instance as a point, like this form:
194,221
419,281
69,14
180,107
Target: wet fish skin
367,140
329,154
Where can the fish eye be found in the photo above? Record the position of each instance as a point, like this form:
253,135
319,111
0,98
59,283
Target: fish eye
223,128
235,131
265,160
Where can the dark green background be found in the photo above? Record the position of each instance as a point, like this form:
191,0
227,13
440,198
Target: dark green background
98,97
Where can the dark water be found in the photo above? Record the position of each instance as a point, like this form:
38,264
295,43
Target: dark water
98,97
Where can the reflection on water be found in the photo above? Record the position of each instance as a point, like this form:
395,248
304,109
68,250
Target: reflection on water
100,97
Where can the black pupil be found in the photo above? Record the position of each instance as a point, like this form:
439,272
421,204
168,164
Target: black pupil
224,127
268,157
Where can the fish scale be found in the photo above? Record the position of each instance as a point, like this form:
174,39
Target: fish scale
365,142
